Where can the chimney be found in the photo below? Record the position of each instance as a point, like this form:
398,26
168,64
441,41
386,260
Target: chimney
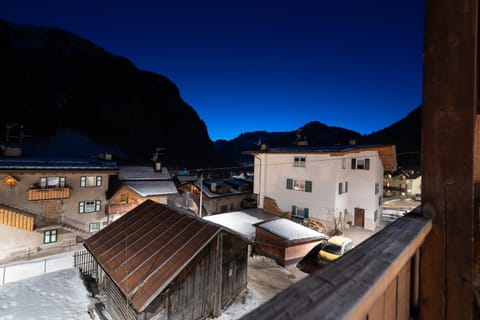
213,187
158,166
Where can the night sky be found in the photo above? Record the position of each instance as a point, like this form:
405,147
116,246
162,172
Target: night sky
261,65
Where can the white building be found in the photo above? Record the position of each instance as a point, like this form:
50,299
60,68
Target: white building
325,182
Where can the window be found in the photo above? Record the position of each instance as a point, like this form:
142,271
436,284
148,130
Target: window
299,212
344,163
94,227
89,206
361,164
50,236
123,198
342,187
299,162
52,182
377,188
380,200
90,181
299,185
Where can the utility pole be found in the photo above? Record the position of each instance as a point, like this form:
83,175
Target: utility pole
201,195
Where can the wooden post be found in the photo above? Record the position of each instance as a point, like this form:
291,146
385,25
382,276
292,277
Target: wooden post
448,126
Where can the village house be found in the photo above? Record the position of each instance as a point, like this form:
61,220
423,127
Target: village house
50,203
137,184
403,183
222,195
163,263
326,183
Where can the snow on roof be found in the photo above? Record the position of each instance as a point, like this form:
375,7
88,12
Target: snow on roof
152,188
237,221
290,230
186,178
142,173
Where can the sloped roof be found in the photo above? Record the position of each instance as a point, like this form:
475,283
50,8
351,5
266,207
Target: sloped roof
290,231
133,173
152,188
237,221
147,248
55,163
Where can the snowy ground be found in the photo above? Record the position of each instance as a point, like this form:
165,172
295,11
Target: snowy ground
62,295
58,295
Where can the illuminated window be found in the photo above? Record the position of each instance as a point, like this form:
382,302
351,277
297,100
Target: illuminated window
299,185
90,181
52,182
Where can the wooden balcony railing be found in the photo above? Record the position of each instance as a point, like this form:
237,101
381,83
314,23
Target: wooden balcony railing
48,194
17,219
379,279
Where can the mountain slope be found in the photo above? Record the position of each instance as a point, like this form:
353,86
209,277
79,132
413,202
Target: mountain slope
53,80
316,133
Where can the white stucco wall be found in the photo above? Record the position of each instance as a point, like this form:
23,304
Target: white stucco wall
325,171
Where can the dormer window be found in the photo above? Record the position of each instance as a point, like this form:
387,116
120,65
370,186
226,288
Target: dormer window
299,162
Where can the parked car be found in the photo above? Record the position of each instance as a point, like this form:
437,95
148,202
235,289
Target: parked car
335,247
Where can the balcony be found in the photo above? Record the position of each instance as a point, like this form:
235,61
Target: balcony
48,194
379,279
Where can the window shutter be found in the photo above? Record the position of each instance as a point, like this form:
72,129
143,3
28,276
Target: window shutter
367,164
305,213
294,210
346,186
354,163
99,181
43,183
83,181
81,206
62,182
97,205
339,188
290,184
308,186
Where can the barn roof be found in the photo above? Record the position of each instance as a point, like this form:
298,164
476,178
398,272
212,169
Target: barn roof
147,248
290,231
152,188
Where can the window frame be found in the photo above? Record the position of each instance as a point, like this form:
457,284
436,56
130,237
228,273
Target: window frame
89,204
92,228
90,181
299,162
50,236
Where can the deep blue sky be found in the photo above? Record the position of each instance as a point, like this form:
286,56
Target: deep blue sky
261,65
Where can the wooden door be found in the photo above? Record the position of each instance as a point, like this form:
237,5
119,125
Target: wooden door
359,217
51,211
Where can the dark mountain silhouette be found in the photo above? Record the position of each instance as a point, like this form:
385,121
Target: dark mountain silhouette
316,133
53,80
405,134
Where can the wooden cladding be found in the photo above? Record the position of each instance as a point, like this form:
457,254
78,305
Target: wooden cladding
16,219
48,194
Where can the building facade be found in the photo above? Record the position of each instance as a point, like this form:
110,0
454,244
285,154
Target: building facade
341,183
48,203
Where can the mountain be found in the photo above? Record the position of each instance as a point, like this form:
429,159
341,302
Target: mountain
52,80
405,134
316,133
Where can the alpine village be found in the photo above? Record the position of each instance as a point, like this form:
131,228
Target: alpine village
162,223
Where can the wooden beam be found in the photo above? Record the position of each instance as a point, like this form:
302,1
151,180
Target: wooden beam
448,125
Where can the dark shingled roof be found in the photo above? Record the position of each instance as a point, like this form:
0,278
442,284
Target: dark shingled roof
147,248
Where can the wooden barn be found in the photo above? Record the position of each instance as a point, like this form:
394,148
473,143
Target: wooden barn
285,241
160,263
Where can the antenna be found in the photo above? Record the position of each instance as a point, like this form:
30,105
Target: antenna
156,155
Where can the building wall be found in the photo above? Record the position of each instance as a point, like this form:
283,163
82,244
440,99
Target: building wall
325,173
17,197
